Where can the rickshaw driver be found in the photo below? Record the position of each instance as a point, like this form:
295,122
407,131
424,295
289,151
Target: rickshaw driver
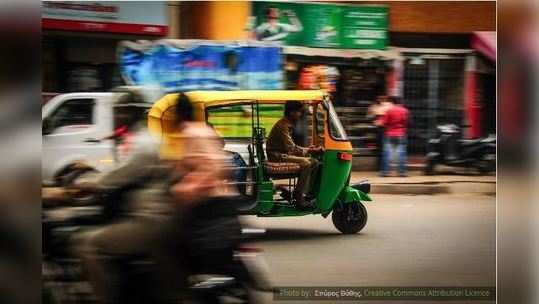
280,147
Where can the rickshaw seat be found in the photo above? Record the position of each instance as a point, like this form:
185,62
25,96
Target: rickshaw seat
281,170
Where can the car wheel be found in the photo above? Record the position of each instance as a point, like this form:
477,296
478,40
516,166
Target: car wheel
350,218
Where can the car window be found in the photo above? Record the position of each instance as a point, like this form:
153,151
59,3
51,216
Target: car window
74,112
131,115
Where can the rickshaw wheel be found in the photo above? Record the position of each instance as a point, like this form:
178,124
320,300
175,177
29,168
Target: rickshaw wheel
350,218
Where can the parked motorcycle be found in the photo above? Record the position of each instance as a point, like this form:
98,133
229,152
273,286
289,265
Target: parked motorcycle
209,282
449,149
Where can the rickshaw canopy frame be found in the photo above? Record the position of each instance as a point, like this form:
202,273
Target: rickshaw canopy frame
205,99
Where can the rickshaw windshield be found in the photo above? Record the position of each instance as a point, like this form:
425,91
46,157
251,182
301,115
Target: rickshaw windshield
336,130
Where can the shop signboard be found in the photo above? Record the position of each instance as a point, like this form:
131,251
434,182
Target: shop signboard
321,24
202,66
365,27
126,17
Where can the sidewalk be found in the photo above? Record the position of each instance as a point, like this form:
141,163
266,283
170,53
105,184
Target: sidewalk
417,183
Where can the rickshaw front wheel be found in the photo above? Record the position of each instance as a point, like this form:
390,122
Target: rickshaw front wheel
350,218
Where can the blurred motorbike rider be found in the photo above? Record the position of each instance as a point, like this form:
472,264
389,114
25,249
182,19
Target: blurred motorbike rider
159,189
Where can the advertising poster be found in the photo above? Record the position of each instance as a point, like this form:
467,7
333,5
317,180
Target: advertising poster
321,24
202,66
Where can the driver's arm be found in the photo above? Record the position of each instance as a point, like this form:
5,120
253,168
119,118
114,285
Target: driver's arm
289,143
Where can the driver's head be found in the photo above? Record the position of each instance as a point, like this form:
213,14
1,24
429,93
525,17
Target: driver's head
184,109
173,143
294,110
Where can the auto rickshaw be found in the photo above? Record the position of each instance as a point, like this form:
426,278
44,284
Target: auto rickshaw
244,118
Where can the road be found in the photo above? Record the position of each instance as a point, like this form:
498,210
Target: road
434,240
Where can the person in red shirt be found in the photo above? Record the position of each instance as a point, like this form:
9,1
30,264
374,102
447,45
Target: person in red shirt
395,122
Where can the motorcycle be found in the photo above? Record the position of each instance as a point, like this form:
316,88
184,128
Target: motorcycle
208,282
449,149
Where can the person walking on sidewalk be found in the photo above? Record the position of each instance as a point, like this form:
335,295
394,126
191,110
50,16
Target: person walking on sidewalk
395,122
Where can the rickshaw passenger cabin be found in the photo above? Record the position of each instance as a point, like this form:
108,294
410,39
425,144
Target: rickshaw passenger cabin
242,118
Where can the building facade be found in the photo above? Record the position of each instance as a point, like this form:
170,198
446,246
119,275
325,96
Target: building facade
432,54
80,39
430,61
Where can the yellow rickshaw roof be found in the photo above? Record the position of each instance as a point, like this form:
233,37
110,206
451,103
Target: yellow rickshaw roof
261,95
202,99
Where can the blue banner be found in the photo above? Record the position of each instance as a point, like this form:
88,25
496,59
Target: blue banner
202,66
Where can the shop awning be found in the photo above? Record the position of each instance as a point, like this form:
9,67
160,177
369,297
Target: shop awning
485,43
390,53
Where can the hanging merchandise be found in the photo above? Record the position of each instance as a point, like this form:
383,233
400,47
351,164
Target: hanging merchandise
315,77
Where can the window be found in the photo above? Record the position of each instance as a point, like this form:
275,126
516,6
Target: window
130,115
317,115
336,129
75,112
237,121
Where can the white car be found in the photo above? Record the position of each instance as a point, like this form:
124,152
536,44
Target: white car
74,128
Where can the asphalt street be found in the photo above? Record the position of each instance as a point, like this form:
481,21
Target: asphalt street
409,240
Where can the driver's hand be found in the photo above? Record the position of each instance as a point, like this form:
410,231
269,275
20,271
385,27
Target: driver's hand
316,149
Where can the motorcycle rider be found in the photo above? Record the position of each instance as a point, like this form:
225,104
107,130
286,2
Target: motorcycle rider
160,190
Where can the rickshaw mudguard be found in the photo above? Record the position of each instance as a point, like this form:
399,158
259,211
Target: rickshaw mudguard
350,195
333,179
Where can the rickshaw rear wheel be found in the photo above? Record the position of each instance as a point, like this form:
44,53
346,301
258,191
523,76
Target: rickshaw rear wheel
350,218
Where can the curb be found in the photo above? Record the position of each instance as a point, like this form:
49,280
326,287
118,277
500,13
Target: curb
486,188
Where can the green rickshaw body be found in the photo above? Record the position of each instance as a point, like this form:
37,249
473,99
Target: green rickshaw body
334,177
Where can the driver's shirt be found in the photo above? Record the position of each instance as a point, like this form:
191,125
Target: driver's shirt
280,141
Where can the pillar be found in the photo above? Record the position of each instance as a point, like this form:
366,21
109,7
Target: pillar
472,106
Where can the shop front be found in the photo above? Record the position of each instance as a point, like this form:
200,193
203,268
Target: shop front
355,78
80,41
340,48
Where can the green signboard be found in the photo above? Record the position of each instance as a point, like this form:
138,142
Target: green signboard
322,25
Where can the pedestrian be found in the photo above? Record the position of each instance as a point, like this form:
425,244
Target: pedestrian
395,122
375,113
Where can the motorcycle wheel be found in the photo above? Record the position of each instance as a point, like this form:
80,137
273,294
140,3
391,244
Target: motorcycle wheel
350,218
